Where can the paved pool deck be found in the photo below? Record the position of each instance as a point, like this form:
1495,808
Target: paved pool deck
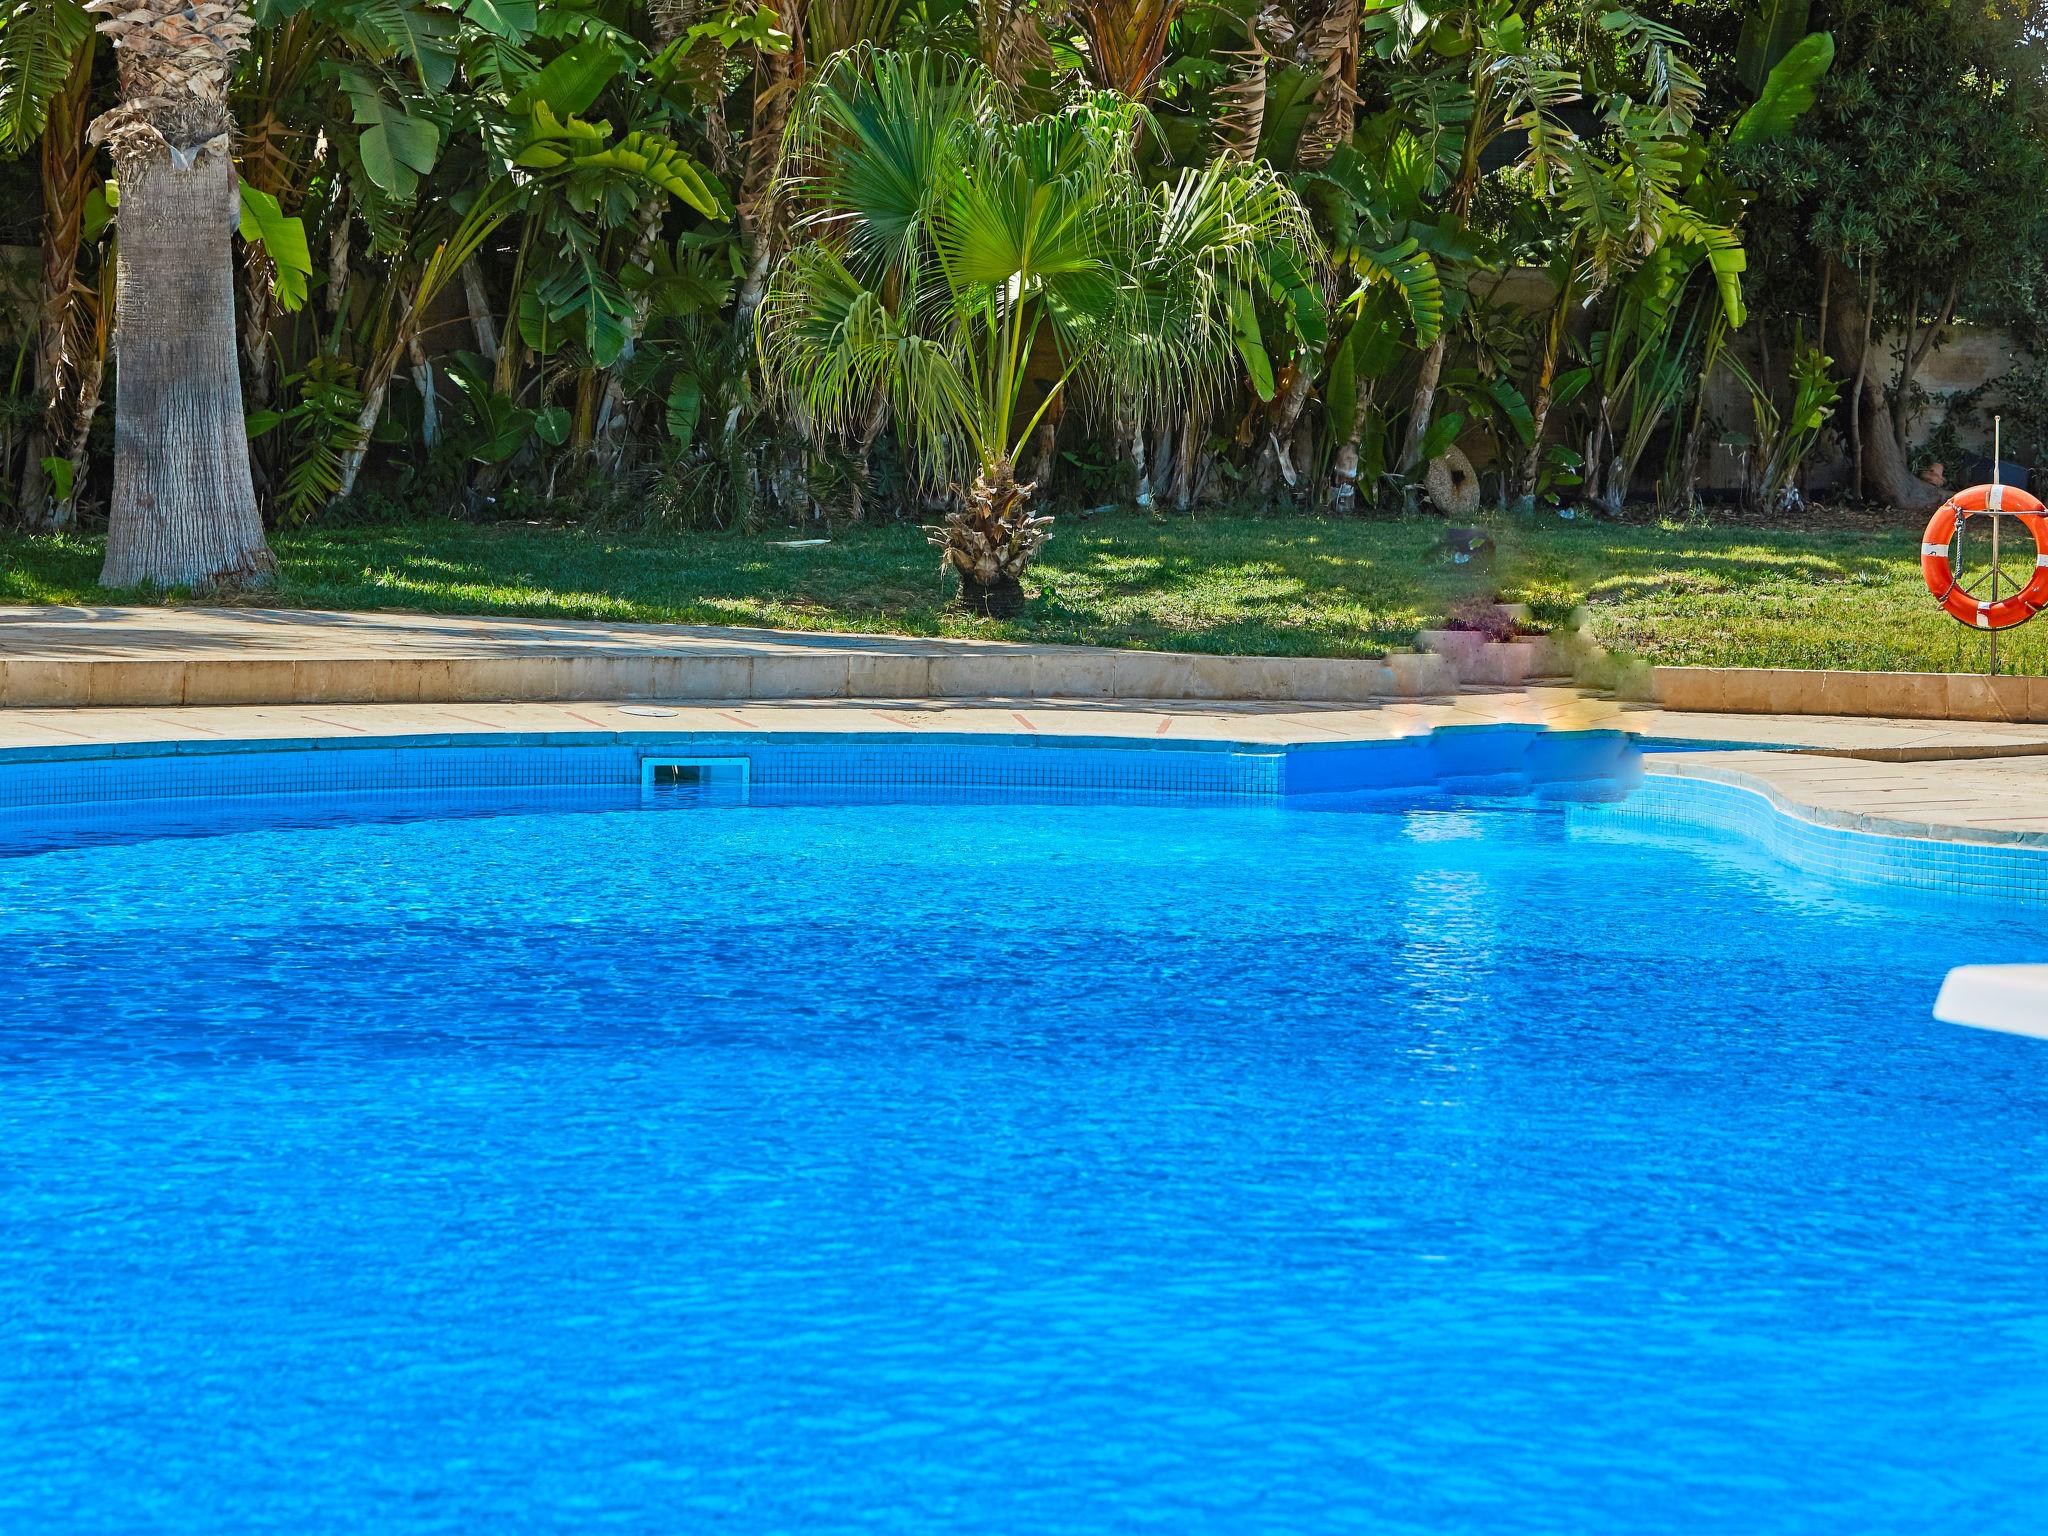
1969,781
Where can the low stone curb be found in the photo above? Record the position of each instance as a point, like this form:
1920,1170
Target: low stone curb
1888,695
1022,672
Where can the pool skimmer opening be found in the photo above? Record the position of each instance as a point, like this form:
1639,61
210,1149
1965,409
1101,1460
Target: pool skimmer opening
725,778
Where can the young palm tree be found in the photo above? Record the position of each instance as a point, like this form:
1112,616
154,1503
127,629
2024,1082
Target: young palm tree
184,511
953,243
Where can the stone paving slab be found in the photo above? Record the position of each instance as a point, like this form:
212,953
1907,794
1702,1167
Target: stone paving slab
106,730
1976,800
1560,708
128,633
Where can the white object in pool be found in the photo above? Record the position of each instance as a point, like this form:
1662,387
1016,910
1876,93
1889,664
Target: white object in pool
2013,998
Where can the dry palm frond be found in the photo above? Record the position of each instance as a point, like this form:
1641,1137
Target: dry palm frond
1012,37
1331,46
1127,42
1241,105
173,50
671,18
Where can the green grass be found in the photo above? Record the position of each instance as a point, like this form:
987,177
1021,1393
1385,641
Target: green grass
1845,597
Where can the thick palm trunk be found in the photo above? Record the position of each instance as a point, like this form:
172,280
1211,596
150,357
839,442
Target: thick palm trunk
991,540
184,510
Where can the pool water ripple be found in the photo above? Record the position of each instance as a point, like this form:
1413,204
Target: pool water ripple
1052,1168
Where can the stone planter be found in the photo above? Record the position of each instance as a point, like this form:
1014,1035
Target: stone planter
1493,663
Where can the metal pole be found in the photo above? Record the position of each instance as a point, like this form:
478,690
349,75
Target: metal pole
1997,517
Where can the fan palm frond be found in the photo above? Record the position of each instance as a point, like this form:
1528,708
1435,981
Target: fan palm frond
37,41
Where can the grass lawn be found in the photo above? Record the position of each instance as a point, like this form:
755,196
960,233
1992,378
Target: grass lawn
1845,596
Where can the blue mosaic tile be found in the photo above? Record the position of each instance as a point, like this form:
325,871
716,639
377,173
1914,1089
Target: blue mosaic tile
50,788
1987,872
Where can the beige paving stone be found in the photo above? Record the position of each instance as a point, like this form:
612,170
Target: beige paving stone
235,681
134,682
26,683
887,675
798,676
1909,695
982,676
1416,675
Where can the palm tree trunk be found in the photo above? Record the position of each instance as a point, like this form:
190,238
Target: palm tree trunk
1046,444
91,366
610,434
781,75
184,508
1184,471
1134,450
991,540
1456,206
337,251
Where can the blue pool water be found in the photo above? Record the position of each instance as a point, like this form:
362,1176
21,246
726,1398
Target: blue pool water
948,1168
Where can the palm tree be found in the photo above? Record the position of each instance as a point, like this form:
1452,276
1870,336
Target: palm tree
952,244
184,510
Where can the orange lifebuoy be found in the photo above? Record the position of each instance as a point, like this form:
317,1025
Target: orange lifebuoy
1935,565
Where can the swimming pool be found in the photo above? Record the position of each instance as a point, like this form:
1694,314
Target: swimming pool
935,1157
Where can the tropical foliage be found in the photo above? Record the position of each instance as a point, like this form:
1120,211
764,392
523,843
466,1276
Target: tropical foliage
720,261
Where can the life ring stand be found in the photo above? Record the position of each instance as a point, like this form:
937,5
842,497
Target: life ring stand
1935,565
